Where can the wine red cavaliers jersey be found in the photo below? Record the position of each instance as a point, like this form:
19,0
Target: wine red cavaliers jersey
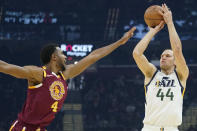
44,100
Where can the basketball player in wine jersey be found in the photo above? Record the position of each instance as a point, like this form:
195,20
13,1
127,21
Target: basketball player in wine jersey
164,88
47,88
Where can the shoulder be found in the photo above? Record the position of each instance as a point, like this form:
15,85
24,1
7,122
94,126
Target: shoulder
149,77
67,71
151,72
36,73
34,69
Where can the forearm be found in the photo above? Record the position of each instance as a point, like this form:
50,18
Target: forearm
96,55
174,38
143,44
101,52
2,66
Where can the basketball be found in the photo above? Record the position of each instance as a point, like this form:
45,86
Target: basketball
152,17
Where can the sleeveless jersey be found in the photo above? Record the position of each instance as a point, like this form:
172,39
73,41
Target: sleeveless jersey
164,100
44,100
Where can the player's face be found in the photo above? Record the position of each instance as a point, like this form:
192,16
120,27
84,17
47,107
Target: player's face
61,61
167,60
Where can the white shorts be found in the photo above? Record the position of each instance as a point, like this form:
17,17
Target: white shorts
157,128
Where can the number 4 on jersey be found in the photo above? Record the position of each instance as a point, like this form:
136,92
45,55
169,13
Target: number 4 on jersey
168,94
54,106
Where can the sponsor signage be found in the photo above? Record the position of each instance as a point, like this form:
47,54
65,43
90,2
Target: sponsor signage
77,50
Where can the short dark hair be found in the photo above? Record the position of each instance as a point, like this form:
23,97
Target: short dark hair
46,52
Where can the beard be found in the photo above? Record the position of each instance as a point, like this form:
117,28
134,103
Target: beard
165,67
63,67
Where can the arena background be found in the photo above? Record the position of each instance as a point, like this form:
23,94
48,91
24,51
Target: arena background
108,96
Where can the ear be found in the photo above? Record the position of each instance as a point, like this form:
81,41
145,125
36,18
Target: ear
53,57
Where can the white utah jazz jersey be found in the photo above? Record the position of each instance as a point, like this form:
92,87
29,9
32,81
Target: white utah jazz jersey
164,100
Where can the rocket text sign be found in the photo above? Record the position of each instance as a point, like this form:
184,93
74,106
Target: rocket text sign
77,49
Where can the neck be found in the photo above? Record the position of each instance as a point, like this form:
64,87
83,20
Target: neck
167,71
52,68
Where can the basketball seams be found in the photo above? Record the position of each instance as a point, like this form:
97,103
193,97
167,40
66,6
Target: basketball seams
152,17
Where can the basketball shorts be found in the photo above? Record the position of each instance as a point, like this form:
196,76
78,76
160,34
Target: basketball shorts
157,128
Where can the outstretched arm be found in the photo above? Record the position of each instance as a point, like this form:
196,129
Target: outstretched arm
176,45
31,73
74,70
144,65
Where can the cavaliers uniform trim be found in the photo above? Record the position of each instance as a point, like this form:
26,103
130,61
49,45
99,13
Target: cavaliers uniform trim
62,75
36,86
39,85
13,125
44,72
52,89
24,128
39,129
44,67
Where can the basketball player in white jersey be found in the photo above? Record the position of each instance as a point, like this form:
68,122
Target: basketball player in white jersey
164,88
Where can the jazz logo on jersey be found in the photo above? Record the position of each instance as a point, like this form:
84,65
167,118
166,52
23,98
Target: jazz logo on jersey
57,90
165,82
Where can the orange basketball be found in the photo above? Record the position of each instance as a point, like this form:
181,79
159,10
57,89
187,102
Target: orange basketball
152,16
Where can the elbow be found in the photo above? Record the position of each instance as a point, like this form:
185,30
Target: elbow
136,53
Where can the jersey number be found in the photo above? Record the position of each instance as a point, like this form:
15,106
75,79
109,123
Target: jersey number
168,94
54,106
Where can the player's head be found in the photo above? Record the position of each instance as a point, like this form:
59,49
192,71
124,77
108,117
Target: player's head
52,54
167,60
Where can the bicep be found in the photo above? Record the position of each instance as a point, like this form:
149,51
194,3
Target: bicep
25,72
16,71
144,65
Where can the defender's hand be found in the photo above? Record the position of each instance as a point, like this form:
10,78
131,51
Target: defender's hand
127,35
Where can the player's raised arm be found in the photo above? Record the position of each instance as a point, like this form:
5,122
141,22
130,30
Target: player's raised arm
74,70
181,66
26,72
143,64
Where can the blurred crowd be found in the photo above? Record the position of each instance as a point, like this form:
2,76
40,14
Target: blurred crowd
87,20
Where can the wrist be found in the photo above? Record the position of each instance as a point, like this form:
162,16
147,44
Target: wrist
170,23
120,42
153,32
